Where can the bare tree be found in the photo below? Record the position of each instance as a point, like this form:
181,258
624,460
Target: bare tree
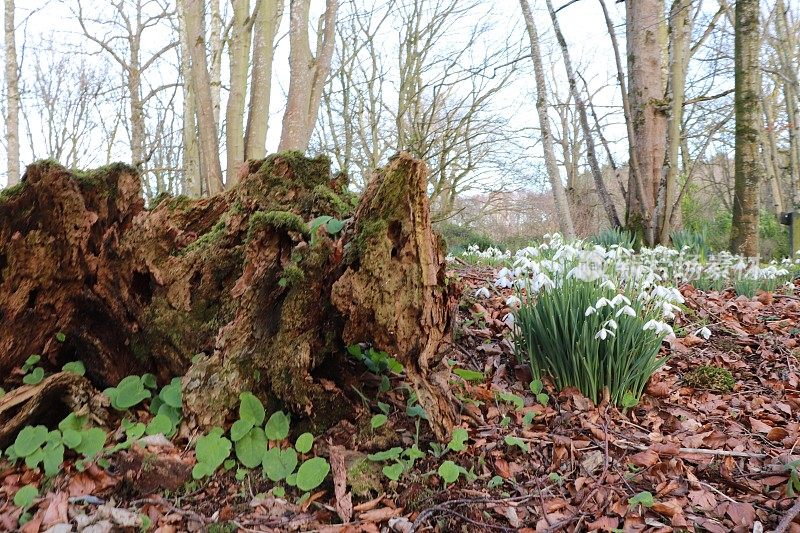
12,95
239,39
308,73
748,170
562,207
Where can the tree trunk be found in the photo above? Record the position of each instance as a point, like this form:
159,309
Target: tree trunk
209,143
559,196
12,96
237,278
307,73
192,183
748,170
268,19
239,59
594,166
645,43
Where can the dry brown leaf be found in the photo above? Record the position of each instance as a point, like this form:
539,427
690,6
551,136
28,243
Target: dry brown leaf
344,501
777,434
644,459
605,523
759,426
380,515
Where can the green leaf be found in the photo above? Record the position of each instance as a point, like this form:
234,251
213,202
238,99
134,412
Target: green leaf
394,471
278,492
384,407
377,421
510,440
241,473
527,420
459,439
517,401
279,464
495,482
277,427
35,377
76,367
240,428
251,408
334,226
250,449
383,387
317,222
29,440
629,400
129,392
60,337
211,451
53,457
72,421
542,398
171,394
304,443
469,375
71,438
30,361
536,386
160,424
135,431
25,496
92,441
149,381
449,471
643,498
312,473
387,455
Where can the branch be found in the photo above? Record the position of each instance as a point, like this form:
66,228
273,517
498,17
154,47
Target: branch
707,98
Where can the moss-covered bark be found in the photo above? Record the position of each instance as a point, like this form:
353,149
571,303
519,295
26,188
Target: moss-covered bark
231,291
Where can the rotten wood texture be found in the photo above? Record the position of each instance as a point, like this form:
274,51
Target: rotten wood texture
232,291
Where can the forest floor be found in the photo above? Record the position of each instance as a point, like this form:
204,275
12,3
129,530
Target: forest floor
690,457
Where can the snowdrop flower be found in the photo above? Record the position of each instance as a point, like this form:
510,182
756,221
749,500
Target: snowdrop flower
508,320
618,299
483,292
590,311
626,310
611,324
513,301
602,302
608,284
703,332
603,334
503,282
541,281
658,327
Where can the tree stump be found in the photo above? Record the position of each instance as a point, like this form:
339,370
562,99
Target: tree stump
233,292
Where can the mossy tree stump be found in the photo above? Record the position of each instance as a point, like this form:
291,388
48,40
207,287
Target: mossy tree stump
231,291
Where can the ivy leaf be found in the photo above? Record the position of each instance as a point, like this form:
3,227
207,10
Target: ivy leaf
240,428
160,424
387,455
279,464
469,375
458,441
250,448
394,471
76,367
277,427
251,408
304,443
513,399
378,421
92,441
171,394
29,440
25,496
449,471
312,473
211,451
35,377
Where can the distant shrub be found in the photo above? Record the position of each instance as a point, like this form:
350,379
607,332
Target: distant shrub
693,241
612,236
458,238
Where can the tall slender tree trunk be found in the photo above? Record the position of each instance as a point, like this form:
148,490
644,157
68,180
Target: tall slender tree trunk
645,46
209,143
239,60
12,95
268,19
602,191
307,73
769,151
748,171
680,35
791,93
192,184
215,54
560,197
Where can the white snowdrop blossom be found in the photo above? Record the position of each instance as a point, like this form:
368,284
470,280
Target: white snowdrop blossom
483,292
590,311
703,332
603,334
513,302
625,310
602,302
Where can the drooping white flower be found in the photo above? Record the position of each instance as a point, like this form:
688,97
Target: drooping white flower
603,334
626,310
590,311
509,321
703,332
619,299
611,324
602,302
513,302
483,292
608,284
503,282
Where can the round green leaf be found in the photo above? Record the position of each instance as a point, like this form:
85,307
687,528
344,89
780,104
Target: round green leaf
35,377
277,427
250,449
377,421
53,457
92,441
160,424
76,367
240,428
304,443
279,464
251,408
71,438
312,473
171,394
449,471
29,440
394,471
25,496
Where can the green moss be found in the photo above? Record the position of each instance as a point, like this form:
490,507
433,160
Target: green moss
710,377
103,178
204,240
160,197
364,477
276,219
10,192
327,201
292,275
368,231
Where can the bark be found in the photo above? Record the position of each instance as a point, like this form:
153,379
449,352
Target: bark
207,126
748,170
645,45
215,54
560,197
268,19
12,96
680,34
791,92
307,73
769,151
594,166
231,291
239,60
192,183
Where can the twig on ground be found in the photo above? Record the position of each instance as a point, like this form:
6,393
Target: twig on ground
788,518
444,507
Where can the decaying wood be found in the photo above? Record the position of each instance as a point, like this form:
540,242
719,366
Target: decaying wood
231,291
